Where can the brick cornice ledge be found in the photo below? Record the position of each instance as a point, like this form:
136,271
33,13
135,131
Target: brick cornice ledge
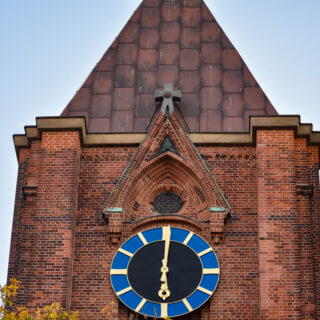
101,139
73,124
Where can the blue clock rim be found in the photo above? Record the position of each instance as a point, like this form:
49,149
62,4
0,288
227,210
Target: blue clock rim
180,314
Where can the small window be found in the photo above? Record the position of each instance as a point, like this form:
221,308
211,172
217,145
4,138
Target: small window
167,203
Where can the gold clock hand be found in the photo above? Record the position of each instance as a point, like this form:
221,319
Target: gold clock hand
166,237
164,292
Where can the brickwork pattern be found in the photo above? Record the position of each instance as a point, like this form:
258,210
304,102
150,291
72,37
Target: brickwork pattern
269,255
167,202
280,281
237,296
46,223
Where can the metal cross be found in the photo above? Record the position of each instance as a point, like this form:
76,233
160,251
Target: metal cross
168,94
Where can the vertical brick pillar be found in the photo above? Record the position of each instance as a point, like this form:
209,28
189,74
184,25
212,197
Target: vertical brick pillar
17,264
315,212
21,244
278,225
54,218
305,194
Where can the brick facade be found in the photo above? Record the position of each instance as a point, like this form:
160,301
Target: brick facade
268,249
246,179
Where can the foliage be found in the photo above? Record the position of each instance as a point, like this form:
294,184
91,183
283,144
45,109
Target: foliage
8,312
51,312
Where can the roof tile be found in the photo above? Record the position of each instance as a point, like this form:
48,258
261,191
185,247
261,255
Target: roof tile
210,74
211,53
101,105
248,79
107,62
150,17
169,53
151,3
192,3
81,101
190,105
211,120
189,81
233,124
254,98
102,82
149,38
189,59
171,11
99,124
127,53
168,74
145,106
170,41
206,15
233,105
210,32
130,34
141,124
193,123
123,99
147,59
191,17
190,38
122,121
231,59
232,81
147,81
170,31
210,98
125,76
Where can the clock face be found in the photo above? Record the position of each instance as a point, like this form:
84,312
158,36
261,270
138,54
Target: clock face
164,272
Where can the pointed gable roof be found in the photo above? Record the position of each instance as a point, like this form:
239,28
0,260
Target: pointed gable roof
170,41
181,154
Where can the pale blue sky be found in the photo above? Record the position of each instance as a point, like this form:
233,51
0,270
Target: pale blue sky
48,47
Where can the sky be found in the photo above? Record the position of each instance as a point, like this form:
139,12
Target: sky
48,48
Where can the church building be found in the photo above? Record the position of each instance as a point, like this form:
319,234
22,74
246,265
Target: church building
169,186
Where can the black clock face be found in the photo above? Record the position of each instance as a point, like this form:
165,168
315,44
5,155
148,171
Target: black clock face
164,272
185,271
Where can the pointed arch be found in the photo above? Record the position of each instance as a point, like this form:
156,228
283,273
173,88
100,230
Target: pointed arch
147,183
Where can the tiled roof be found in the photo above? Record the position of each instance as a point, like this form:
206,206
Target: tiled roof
170,41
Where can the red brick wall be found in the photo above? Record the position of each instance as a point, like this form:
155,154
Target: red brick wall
100,170
21,246
305,163
280,281
269,256
42,259
237,296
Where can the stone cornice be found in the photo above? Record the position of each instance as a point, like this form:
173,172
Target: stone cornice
104,139
260,122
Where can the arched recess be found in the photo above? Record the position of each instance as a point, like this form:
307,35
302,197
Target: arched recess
167,172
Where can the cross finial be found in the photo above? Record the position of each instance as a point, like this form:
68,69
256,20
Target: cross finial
168,94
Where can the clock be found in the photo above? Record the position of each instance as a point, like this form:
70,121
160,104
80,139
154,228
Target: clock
164,272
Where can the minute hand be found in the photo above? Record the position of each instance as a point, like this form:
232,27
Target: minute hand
164,292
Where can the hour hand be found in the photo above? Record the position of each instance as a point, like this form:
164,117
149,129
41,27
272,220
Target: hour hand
164,292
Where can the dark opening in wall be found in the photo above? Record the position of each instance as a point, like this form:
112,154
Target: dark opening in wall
167,203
